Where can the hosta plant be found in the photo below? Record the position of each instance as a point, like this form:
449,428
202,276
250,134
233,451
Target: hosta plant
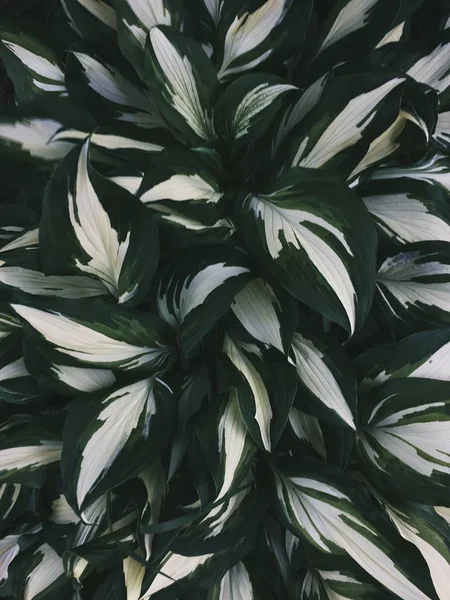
225,302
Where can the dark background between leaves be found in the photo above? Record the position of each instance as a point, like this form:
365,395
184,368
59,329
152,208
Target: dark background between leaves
40,13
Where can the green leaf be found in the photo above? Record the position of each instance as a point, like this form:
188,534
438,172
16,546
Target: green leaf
413,286
421,355
319,507
251,34
324,377
265,384
33,67
96,334
113,436
285,227
103,229
137,18
194,294
409,210
183,81
407,437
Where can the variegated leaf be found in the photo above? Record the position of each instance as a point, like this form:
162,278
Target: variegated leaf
269,316
416,525
9,549
307,428
33,67
14,497
409,210
23,457
95,20
251,35
109,92
249,105
113,436
340,585
414,286
325,377
46,571
103,228
265,385
432,67
392,36
194,294
405,442
154,480
234,585
62,513
442,131
424,355
350,125
137,18
182,80
33,139
329,516
96,334
133,573
321,252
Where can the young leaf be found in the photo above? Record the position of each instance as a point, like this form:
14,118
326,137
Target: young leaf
103,230
322,253
113,436
194,294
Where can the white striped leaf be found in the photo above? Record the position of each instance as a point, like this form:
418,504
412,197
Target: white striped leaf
17,386
424,355
113,436
95,334
442,131
414,286
181,183
108,91
194,294
47,571
14,497
368,105
248,106
137,18
408,210
404,438
182,80
9,549
33,67
325,377
103,227
321,252
265,385
269,316
173,568
133,573
21,458
250,35
296,111
433,169
421,528
307,428
320,509
33,138
95,20
62,513
9,323
22,251
234,585
431,68
340,585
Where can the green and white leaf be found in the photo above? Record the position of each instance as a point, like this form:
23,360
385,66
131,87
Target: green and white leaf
392,36
432,69
46,572
86,14
319,255
133,573
408,210
103,232
183,80
33,67
307,428
234,585
340,585
111,438
194,294
96,334
329,519
28,457
9,549
414,285
33,139
62,513
330,384
442,132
